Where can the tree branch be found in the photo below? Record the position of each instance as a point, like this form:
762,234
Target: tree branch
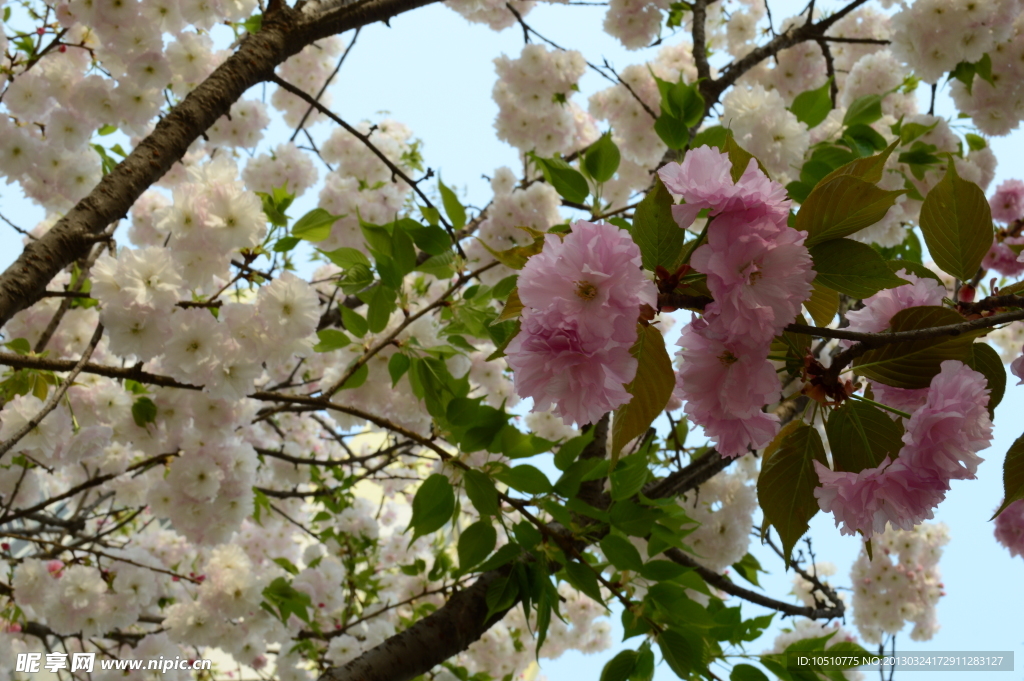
284,33
724,584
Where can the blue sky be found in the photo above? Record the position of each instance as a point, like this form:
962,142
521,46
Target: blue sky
432,71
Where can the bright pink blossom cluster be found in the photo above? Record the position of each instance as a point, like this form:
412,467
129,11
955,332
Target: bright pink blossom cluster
759,273
941,442
581,298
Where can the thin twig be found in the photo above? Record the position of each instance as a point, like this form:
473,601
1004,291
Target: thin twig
326,84
58,394
365,139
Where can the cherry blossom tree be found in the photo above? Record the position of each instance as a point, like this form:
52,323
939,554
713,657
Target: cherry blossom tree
318,475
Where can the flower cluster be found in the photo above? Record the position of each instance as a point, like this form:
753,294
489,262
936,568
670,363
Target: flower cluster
901,584
933,36
533,96
941,442
759,273
1009,529
581,297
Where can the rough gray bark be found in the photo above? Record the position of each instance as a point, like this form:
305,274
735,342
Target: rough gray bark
432,640
285,32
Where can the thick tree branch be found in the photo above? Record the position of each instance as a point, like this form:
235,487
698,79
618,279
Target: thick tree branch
284,33
433,639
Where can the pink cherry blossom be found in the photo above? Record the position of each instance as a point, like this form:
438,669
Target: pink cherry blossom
1002,259
867,501
1010,528
880,308
904,399
1008,202
940,444
704,180
724,386
581,378
592,276
944,436
1017,368
758,273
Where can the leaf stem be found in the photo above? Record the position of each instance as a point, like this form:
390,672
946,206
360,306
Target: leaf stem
695,244
882,406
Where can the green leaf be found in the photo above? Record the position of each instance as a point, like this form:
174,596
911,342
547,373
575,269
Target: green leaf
983,67
347,257
143,411
288,566
662,570
911,131
629,476
682,651
841,206
747,568
852,268
107,130
315,225
430,214
747,672
975,142
785,488
380,303
430,239
621,553
285,244
439,266
583,578
823,304
681,101
650,389
620,667
864,110
644,669
812,107
602,159
567,181
397,366
481,492
865,137
1013,475
525,478
957,225
655,230
913,364
502,556
476,543
740,159
869,169
353,322
986,361
432,506
672,131
569,451
331,339
713,136
861,436
501,595
288,601
512,310
452,206
20,346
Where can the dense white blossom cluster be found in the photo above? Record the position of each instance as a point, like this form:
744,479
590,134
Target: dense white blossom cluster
901,584
222,497
535,111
